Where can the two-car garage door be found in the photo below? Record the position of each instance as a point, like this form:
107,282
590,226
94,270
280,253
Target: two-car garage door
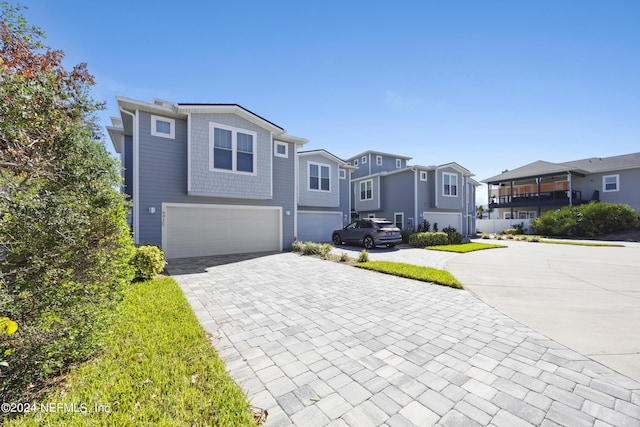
190,230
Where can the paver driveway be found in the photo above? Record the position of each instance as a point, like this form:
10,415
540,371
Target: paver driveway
318,343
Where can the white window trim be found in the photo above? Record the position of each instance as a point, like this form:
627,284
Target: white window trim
398,163
342,173
234,149
360,189
172,127
604,183
394,219
443,184
379,160
364,160
423,175
277,144
355,162
320,166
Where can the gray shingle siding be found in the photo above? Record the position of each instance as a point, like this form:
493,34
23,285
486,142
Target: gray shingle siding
128,167
449,202
318,198
206,182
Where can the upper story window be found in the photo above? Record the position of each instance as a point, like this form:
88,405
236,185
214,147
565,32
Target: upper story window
355,162
319,177
610,183
398,163
364,160
423,175
232,149
163,127
281,149
366,189
343,173
379,160
450,184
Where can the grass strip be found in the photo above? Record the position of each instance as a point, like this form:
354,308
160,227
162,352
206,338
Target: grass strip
465,247
158,368
416,272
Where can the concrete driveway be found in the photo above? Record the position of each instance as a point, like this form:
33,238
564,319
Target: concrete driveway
319,343
587,298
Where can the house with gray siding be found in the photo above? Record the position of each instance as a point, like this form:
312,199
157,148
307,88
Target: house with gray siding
386,186
324,202
533,189
207,179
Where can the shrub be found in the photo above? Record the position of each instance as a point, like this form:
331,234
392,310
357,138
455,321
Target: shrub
486,236
588,220
148,262
66,245
510,232
405,236
421,240
344,257
453,236
364,256
435,227
424,227
312,248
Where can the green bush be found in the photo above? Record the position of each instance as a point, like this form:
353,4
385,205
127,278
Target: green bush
588,220
65,243
364,256
454,238
148,262
421,240
486,236
312,248
510,232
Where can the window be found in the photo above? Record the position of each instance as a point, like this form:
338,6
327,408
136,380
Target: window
398,220
319,177
355,162
398,163
163,127
281,149
379,160
364,160
450,181
232,149
610,183
343,174
366,190
423,175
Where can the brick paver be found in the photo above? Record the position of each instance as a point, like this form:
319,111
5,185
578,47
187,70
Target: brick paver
319,343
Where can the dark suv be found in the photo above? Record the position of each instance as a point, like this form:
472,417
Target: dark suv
370,232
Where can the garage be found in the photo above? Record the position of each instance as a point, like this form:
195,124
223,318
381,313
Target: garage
317,226
444,219
190,230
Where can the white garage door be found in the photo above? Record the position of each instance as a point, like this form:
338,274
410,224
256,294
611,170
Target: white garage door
444,220
190,230
317,226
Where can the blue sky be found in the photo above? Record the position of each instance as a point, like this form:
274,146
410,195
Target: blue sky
490,84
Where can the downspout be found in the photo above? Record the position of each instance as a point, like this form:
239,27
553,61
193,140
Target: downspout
415,197
136,175
511,203
296,195
570,189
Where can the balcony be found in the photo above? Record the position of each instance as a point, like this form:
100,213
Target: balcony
545,198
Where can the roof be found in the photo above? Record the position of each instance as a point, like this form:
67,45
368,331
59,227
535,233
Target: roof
584,167
397,156
324,153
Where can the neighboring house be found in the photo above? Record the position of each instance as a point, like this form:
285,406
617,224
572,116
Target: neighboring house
207,179
531,190
385,186
324,202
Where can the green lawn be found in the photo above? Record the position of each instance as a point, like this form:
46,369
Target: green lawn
425,274
465,247
158,368
581,243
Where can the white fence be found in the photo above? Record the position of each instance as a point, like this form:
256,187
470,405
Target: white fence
497,225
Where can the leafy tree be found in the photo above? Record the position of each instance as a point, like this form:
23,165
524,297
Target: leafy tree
64,241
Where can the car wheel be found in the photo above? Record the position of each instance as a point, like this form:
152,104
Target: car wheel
336,239
368,242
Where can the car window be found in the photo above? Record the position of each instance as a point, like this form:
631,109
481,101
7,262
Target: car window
366,224
385,224
352,225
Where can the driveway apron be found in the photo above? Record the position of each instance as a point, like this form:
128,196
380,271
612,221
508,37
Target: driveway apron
318,343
